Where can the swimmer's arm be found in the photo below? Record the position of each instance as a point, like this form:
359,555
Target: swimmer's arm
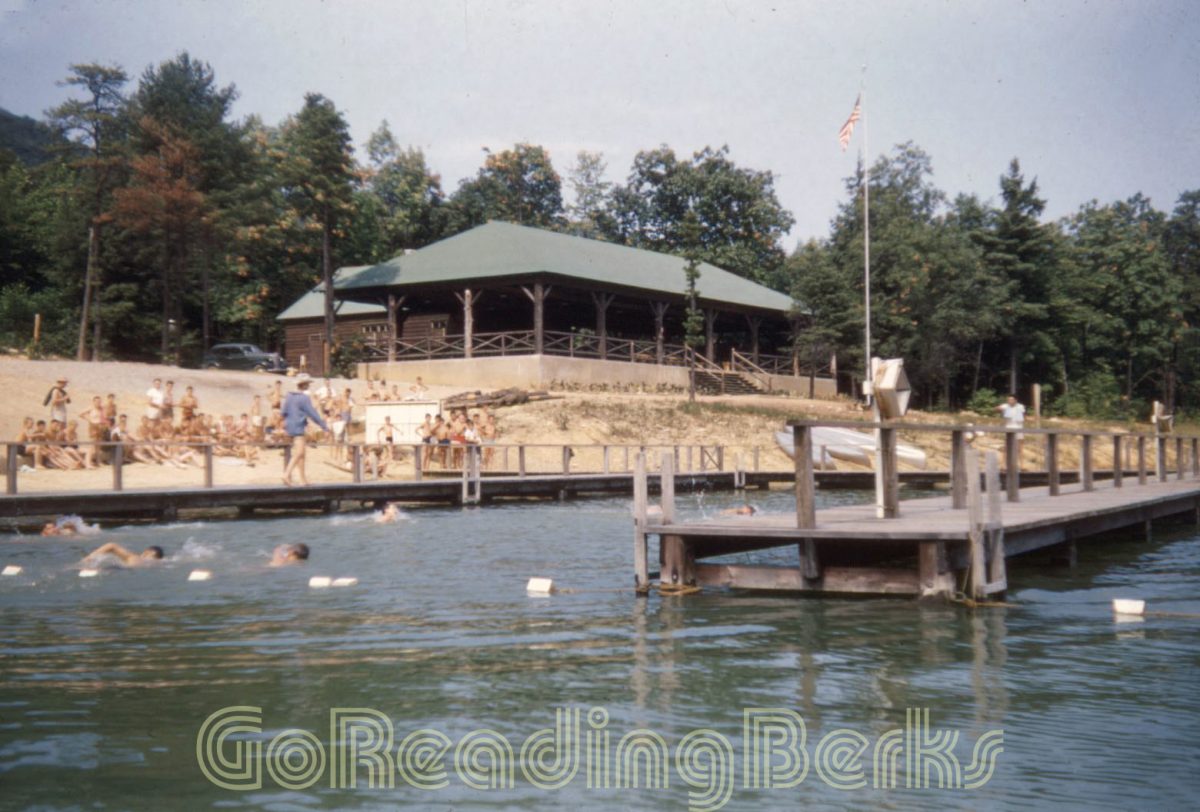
112,548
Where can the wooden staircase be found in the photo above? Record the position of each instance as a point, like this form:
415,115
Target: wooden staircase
726,382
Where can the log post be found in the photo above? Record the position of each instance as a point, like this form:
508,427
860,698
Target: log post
11,464
710,343
666,488
1052,475
1085,463
118,466
625,458
537,294
891,473
605,462
1012,465
1160,458
418,462
1141,457
678,561
958,473
641,568
208,463
566,459
602,302
806,508
660,314
1196,456
995,575
1118,468
755,324
975,525
393,304
520,460
1179,458
356,463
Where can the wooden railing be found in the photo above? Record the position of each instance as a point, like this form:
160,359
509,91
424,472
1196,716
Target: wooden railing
744,366
355,459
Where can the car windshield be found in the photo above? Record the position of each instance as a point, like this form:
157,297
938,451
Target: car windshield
255,349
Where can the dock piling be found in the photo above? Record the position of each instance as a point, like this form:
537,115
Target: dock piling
641,567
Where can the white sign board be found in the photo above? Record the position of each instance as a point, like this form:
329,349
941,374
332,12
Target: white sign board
406,416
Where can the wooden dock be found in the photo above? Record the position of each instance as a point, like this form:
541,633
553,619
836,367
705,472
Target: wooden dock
924,547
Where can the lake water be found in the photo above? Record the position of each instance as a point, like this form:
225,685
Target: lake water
106,683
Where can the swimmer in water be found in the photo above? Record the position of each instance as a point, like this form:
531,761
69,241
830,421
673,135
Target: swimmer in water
741,510
55,529
149,555
389,515
286,554
69,526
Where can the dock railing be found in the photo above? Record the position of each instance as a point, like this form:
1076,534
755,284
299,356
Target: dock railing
209,462
1174,453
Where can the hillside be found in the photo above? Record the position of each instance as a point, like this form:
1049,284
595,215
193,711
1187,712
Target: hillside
29,140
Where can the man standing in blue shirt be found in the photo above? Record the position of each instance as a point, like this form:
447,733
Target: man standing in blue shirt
297,410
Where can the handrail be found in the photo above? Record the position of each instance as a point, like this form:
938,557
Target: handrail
760,375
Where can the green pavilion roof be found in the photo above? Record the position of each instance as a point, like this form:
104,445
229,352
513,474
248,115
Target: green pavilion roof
498,251
312,304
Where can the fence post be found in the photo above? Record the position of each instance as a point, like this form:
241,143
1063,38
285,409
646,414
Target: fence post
756,459
891,473
1052,475
10,469
521,460
418,462
1195,456
118,465
1179,458
606,465
208,463
1085,464
1141,455
806,509
958,471
356,462
666,488
720,458
641,568
1012,466
1160,458
975,525
566,459
1118,468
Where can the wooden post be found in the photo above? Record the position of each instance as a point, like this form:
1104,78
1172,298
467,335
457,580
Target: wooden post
806,506
520,460
710,343
602,301
11,464
1052,475
891,474
1179,458
625,458
720,458
1196,456
1160,459
1085,463
393,329
1012,466
606,463
566,459
1118,467
995,575
37,328
975,525
537,294
1037,405
641,568
660,314
1141,455
118,466
755,324
958,472
208,463
356,463
418,462
666,488
756,459
468,306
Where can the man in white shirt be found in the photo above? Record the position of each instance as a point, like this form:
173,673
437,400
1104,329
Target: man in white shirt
155,397
1013,413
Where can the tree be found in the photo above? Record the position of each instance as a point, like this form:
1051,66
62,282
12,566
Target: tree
518,185
1019,252
318,174
591,193
96,121
741,219
163,202
693,321
825,308
408,194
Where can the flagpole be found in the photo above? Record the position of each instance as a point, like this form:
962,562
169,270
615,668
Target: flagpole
866,234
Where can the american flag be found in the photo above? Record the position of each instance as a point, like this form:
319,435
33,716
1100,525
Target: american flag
848,128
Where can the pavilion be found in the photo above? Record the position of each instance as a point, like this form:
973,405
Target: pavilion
541,305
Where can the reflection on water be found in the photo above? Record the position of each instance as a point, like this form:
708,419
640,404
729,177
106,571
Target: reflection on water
105,682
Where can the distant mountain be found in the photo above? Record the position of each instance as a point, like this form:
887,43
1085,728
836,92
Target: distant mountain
27,139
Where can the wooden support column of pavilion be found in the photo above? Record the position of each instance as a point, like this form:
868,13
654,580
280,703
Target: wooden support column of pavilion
660,313
537,294
755,324
468,299
602,301
393,304
710,342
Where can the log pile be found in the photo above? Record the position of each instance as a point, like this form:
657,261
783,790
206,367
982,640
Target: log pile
501,397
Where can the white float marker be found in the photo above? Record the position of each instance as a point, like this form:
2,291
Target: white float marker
12,569
347,581
320,581
88,573
540,586
1128,606
199,575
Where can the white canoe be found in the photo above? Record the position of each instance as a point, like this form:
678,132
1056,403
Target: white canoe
847,445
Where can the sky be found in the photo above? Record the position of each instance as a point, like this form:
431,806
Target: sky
1098,100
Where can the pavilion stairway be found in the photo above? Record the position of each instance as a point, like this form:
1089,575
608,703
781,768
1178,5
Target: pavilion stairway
726,382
